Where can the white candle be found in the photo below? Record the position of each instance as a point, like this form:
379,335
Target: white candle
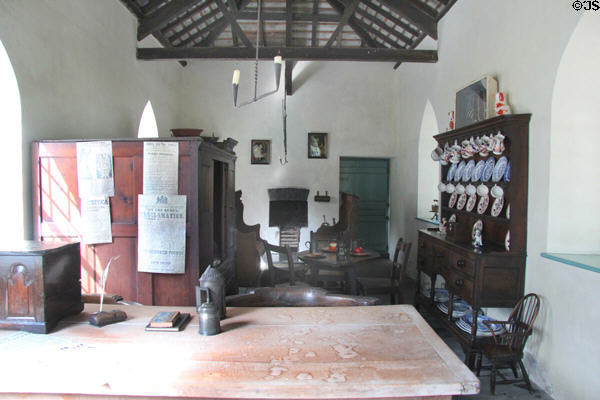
236,77
277,59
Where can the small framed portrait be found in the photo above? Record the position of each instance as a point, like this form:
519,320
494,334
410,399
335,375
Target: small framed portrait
260,151
317,145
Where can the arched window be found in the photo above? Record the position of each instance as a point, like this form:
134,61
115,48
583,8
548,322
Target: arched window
11,151
148,127
428,172
573,212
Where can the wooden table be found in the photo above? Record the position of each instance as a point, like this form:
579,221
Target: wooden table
329,261
267,353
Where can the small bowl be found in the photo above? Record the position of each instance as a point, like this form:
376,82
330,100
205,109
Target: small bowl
186,132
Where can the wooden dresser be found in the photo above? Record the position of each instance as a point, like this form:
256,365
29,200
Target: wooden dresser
492,276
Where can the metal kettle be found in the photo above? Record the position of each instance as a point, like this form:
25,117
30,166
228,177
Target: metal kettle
208,313
213,280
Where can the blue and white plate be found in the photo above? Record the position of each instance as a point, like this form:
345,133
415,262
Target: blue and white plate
459,307
499,169
459,171
507,173
488,169
451,172
468,171
481,327
477,171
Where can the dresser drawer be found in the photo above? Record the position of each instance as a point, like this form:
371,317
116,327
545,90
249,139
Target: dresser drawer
461,285
459,262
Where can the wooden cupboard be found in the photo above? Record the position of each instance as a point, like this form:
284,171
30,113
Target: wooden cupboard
206,177
494,275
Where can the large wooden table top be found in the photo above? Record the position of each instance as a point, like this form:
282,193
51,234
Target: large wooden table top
266,353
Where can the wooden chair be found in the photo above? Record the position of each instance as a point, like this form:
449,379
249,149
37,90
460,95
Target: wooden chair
388,285
507,348
296,296
284,271
329,279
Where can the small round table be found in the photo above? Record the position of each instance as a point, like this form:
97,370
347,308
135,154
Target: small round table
329,261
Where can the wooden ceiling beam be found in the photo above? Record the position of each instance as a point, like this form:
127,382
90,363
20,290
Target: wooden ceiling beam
234,9
177,35
217,27
360,31
348,12
392,18
384,30
235,27
290,53
149,25
410,11
315,23
250,14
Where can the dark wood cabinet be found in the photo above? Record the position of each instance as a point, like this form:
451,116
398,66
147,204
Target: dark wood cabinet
494,275
206,177
39,285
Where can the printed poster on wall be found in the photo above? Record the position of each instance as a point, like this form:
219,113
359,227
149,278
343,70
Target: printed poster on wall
95,169
161,233
161,162
95,220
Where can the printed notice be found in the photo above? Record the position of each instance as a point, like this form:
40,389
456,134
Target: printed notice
95,169
161,233
161,161
95,220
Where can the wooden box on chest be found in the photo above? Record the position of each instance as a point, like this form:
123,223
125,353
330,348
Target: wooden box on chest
206,178
39,285
492,276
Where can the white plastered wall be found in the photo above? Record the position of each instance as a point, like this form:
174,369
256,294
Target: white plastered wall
78,77
349,101
521,44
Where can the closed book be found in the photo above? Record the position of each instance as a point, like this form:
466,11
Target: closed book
164,319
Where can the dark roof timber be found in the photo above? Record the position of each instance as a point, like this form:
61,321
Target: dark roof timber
344,30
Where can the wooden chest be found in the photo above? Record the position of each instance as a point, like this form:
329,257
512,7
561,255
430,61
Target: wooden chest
40,283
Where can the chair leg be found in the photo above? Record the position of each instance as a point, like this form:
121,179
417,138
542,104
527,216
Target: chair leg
479,357
513,366
493,379
525,376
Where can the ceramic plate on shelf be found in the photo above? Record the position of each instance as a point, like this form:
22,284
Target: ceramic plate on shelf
499,169
481,327
508,211
497,206
477,225
452,218
459,171
507,173
507,241
462,200
471,203
451,170
483,204
468,171
477,171
452,200
488,169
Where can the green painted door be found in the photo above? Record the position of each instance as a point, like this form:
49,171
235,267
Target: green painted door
368,178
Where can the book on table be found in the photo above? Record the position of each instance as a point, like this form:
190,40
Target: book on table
164,319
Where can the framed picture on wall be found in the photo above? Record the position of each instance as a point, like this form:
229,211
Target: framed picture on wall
260,151
317,145
475,102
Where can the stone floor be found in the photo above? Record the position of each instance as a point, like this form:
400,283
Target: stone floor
503,392
507,391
